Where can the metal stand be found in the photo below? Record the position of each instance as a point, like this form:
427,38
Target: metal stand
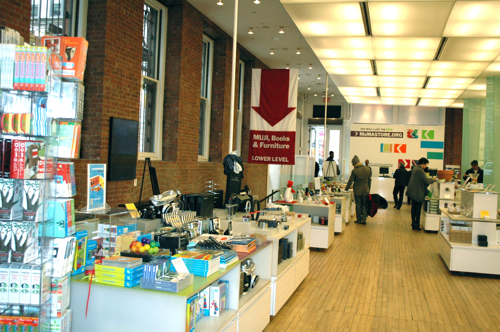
152,176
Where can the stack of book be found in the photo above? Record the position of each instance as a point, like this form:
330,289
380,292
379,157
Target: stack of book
119,271
199,262
228,257
243,244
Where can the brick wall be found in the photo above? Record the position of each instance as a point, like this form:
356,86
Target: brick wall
453,137
16,14
179,168
112,80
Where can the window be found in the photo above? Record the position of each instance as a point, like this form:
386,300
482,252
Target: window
152,81
58,18
206,95
239,123
35,11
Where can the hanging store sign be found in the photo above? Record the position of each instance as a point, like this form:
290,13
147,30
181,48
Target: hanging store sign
273,116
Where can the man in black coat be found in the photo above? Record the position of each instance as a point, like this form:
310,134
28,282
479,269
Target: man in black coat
474,169
401,179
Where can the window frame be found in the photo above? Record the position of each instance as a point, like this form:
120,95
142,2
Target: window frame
160,69
208,110
241,91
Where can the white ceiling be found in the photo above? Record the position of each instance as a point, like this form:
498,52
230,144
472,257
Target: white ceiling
396,64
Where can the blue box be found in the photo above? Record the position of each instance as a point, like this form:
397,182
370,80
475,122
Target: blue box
91,246
63,220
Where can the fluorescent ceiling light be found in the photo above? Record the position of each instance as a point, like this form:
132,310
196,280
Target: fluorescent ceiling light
354,91
342,47
401,48
411,18
471,49
355,81
396,92
330,19
474,19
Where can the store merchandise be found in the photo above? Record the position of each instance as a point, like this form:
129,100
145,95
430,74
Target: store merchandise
27,320
174,282
119,270
73,51
65,179
109,272
153,271
218,298
63,210
33,194
69,139
6,149
23,284
204,296
61,324
91,249
123,262
24,241
30,69
64,252
79,262
120,276
199,262
191,313
228,258
59,295
10,199
245,245
71,106
10,36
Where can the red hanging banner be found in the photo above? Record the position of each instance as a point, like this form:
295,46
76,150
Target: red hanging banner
273,116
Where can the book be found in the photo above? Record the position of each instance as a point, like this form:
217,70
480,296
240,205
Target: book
119,270
118,282
119,261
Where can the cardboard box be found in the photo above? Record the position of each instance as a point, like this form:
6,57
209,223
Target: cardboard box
10,194
25,285
63,222
14,283
33,200
217,298
60,295
74,54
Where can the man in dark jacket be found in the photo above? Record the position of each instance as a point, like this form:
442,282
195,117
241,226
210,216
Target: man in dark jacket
474,169
361,177
417,190
401,179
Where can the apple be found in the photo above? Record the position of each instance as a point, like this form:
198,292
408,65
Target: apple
141,249
147,246
151,251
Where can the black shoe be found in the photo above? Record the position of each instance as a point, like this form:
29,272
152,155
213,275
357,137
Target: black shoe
363,223
417,229
395,206
399,208
357,222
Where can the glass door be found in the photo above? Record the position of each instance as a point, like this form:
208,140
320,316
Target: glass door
332,140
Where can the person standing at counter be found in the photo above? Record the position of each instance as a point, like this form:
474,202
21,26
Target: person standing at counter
361,180
417,190
475,169
401,180
367,163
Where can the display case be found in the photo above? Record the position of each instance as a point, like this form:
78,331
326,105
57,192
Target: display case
28,144
107,224
350,207
340,213
109,305
458,243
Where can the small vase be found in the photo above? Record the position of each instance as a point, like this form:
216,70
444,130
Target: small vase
301,200
288,195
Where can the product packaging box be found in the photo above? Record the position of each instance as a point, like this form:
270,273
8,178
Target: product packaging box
191,313
174,282
6,152
61,324
4,283
5,237
120,270
10,200
64,253
80,252
65,179
25,285
69,138
71,106
205,301
74,55
59,294
25,158
14,283
24,242
91,248
63,211
217,298
40,283
33,198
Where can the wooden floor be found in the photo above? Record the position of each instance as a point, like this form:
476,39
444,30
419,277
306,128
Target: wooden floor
383,276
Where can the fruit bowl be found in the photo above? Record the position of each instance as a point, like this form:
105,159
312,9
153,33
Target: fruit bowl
146,257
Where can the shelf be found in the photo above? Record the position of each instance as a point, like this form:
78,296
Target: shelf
244,299
211,324
459,217
468,245
314,225
285,264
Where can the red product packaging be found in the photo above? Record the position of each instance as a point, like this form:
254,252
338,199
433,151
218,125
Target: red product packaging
73,51
17,159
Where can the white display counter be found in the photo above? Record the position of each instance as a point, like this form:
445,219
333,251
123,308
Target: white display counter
384,187
469,257
114,308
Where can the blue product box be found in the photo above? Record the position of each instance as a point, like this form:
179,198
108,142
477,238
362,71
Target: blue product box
63,221
191,313
91,246
205,301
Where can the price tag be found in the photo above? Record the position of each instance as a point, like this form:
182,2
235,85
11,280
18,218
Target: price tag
179,265
485,214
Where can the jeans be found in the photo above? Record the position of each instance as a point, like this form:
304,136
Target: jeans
361,201
416,207
398,190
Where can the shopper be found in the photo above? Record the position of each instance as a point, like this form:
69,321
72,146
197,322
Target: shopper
475,169
417,190
367,164
331,169
401,180
361,180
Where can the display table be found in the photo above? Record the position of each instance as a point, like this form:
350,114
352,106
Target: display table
384,187
431,222
321,235
350,207
469,257
340,213
287,275
114,308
